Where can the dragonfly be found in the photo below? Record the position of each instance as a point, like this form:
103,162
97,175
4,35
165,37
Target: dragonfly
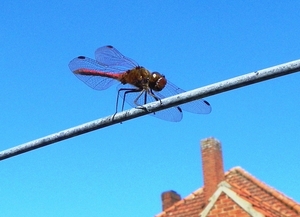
137,85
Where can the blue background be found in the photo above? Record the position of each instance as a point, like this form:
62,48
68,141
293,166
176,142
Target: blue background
122,170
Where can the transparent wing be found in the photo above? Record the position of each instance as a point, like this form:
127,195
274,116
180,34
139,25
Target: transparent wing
171,114
92,73
198,106
111,57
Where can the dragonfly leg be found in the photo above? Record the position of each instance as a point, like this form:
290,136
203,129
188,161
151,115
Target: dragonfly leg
139,106
126,91
150,92
145,100
136,100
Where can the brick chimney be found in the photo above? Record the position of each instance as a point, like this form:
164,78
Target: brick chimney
169,198
212,164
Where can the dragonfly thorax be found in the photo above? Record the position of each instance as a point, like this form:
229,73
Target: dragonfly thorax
143,79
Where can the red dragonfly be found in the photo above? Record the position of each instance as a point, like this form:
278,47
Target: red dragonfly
137,85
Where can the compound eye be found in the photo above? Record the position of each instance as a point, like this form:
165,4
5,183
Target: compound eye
159,81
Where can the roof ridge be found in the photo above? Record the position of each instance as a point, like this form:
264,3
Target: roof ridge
275,193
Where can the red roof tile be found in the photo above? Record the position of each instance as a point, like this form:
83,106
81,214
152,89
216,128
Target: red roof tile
263,198
261,195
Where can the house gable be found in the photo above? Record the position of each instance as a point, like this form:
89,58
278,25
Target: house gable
225,201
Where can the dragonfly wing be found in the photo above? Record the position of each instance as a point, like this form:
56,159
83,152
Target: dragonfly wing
92,73
171,114
199,106
110,56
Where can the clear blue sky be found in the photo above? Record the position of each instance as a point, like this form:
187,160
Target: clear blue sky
122,170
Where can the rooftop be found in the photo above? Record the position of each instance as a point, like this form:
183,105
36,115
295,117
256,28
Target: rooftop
264,199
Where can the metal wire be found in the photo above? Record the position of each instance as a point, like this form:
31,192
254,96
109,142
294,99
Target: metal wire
216,88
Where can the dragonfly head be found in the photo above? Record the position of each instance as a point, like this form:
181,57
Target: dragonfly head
157,81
